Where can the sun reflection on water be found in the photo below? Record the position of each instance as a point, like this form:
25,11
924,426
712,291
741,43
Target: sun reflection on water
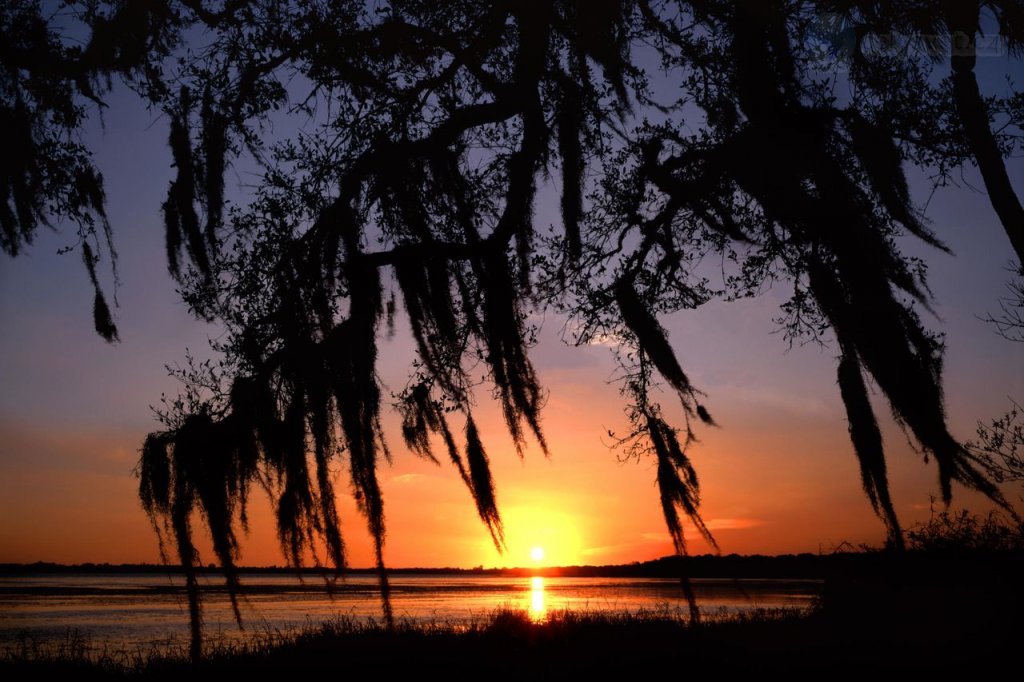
538,612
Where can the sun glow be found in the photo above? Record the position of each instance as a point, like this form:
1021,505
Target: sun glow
539,535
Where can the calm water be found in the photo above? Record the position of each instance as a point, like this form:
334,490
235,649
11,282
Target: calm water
127,611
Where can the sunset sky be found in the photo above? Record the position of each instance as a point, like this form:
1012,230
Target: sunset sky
778,475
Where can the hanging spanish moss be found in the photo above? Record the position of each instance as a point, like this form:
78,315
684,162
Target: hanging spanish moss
570,127
181,221
882,163
423,416
511,370
214,142
867,443
483,484
652,341
963,19
352,364
102,319
430,309
428,137
680,491
195,468
677,482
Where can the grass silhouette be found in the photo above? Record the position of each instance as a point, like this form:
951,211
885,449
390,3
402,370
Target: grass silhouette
860,625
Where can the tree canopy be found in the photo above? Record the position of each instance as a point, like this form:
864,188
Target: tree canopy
403,146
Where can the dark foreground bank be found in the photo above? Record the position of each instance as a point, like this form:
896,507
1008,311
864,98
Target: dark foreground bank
945,612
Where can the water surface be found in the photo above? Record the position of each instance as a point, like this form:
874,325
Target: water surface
120,612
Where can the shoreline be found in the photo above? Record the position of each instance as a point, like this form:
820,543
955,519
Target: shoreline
787,566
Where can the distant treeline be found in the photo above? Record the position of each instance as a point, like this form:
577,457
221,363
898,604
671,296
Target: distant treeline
788,566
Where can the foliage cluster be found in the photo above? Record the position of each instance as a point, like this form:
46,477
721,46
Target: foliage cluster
963,532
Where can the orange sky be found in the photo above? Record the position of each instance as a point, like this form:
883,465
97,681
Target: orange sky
778,476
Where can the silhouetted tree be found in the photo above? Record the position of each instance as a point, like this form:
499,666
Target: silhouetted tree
46,172
403,147
1000,442
1000,446
960,532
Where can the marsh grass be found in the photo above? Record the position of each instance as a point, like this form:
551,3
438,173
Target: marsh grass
862,624
347,639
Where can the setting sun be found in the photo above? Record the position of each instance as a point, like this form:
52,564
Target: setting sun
540,531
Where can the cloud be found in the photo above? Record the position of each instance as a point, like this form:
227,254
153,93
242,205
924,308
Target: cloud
621,548
733,524
776,400
405,479
738,523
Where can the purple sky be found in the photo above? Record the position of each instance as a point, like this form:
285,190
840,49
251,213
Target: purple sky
779,476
